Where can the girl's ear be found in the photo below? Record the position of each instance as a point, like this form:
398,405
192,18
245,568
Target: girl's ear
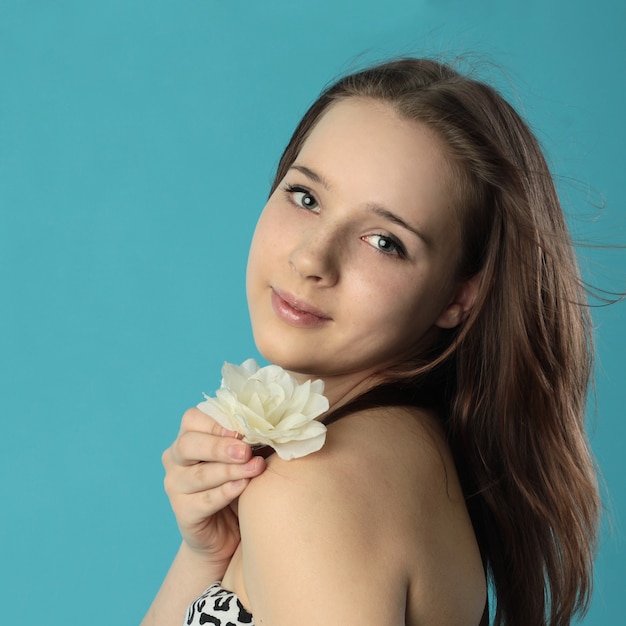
460,305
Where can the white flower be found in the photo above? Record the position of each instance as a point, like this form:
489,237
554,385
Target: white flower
268,407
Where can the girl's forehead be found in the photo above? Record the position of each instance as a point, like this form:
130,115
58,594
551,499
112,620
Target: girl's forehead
351,112
370,127
367,141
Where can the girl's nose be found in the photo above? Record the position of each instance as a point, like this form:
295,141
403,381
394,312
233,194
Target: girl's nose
316,258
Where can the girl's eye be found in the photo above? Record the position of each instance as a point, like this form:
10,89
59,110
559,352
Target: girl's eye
386,244
302,197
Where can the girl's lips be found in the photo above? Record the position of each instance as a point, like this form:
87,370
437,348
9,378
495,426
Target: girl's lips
296,312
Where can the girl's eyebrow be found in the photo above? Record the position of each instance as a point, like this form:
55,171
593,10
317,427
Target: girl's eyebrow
312,175
375,208
396,219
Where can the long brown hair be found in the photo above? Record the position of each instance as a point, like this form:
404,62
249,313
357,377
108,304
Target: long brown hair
513,379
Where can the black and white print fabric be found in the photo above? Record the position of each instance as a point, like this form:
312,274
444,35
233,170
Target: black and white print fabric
218,607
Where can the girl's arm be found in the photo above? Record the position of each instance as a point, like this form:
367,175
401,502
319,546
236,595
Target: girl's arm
189,575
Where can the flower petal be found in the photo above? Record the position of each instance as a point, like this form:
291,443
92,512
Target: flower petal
211,408
296,449
268,406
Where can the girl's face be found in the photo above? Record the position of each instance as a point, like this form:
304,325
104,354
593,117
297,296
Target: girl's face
353,258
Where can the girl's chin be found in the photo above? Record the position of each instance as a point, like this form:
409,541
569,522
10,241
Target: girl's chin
297,369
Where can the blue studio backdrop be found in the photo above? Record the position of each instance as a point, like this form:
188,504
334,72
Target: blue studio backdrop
137,143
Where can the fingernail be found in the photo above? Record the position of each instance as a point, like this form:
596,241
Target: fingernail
237,452
252,465
229,433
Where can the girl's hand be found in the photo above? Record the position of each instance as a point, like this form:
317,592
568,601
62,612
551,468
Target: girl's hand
207,468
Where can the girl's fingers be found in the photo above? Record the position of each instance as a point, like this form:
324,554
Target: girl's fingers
191,447
206,469
202,477
217,499
195,419
195,509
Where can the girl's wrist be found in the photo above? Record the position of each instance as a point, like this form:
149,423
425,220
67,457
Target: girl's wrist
205,559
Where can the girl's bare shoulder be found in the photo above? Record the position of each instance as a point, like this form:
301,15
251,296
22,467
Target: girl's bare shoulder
383,490
396,457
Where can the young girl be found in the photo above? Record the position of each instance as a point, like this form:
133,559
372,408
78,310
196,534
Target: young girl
414,256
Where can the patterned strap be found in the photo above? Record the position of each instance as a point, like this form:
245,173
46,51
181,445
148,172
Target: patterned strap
217,607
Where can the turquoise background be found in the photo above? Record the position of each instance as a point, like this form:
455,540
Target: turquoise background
137,143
